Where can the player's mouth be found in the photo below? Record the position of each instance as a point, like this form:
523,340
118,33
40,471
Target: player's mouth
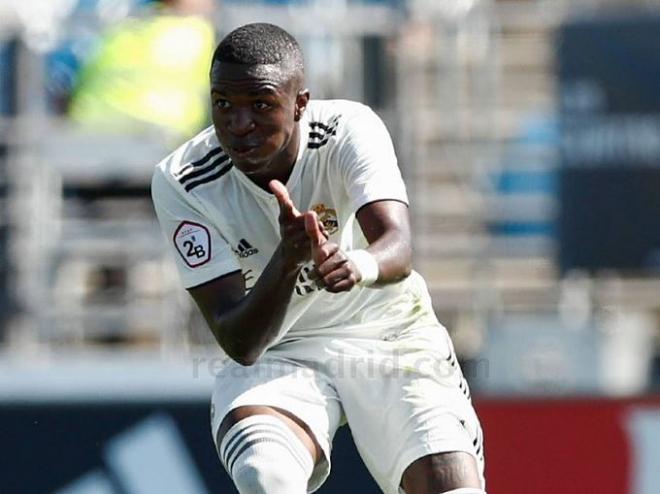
244,151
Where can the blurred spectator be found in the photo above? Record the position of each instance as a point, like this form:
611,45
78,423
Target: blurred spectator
7,104
7,83
527,172
149,70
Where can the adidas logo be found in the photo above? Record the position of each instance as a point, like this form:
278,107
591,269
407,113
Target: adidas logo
151,456
245,249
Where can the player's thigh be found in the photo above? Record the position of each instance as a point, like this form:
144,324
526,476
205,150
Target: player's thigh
297,426
301,397
441,472
404,400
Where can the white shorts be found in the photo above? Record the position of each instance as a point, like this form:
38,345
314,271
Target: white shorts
403,396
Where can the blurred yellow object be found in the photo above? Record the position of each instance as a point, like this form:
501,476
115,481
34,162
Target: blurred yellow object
151,70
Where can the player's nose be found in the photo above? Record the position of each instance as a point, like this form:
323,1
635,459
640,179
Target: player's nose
241,122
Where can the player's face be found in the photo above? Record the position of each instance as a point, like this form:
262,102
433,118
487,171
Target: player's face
255,113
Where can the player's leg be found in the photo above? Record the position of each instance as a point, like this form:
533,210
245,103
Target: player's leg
297,426
267,451
409,409
272,424
449,472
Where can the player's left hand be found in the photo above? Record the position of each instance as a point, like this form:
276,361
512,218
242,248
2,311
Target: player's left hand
334,271
295,240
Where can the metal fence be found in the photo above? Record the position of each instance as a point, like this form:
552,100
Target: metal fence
468,90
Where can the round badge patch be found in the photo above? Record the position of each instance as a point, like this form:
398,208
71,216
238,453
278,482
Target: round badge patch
193,242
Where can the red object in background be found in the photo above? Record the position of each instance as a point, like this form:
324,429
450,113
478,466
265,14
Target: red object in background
562,446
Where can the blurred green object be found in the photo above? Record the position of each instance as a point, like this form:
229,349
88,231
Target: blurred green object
151,70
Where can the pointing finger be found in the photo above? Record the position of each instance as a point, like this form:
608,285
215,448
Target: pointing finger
282,194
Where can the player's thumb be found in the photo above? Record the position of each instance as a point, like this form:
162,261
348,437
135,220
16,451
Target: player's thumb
312,228
314,233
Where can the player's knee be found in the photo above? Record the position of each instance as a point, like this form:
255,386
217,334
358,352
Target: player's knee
442,473
465,490
254,476
462,490
263,456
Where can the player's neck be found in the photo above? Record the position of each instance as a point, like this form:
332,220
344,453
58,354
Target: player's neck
263,180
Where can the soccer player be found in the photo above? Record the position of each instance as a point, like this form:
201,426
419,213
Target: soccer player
289,223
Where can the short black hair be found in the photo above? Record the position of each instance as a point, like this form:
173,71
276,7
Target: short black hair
260,44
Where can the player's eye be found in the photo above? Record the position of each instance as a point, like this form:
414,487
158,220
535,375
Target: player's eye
222,104
262,105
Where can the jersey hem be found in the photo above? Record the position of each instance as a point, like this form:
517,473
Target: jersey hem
357,210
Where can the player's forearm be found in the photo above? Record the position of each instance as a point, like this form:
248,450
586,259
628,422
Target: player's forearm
386,226
246,330
393,255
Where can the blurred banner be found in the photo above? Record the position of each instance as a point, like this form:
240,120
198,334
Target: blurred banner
567,446
572,446
609,69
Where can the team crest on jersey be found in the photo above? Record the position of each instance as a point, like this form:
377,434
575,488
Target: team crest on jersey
193,243
328,217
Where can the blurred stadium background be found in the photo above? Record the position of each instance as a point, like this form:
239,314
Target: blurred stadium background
528,132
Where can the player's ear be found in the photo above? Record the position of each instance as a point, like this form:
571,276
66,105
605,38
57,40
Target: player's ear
302,98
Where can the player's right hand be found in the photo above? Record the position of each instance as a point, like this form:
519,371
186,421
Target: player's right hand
295,241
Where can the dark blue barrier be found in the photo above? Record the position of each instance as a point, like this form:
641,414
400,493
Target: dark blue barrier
130,448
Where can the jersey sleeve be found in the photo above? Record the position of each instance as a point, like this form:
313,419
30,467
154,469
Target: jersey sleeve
368,163
200,252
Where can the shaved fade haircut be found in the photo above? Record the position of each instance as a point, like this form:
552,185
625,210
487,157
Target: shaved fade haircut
260,44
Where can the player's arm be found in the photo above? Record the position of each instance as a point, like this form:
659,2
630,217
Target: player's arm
245,325
386,226
368,167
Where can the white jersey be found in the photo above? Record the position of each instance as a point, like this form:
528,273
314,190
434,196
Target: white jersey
218,221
